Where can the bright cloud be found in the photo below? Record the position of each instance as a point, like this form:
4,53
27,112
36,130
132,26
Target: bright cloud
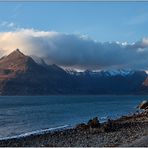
78,51
5,25
11,25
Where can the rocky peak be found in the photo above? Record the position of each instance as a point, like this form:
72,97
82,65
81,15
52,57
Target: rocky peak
16,60
15,54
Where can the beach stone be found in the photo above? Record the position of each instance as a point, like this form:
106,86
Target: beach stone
82,126
143,105
111,125
146,108
94,123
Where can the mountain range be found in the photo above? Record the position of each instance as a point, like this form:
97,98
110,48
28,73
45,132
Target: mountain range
30,75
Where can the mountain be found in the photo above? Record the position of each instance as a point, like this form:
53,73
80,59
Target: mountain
108,73
15,63
38,60
21,75
109,82
144,87
25,75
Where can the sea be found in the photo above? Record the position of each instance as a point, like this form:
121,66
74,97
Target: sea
24,115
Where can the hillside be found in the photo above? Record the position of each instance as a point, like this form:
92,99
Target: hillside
22,75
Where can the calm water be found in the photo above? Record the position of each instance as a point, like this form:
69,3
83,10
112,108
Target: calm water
20,115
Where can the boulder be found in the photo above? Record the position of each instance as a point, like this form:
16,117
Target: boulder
108,126
82,126
143,105
94,123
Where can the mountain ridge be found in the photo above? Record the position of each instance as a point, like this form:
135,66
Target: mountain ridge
22,75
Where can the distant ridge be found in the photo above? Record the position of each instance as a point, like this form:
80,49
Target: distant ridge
22,75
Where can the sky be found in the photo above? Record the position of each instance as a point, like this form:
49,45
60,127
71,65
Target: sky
103,21
94,35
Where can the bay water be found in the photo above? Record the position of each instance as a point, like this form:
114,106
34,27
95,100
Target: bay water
25,114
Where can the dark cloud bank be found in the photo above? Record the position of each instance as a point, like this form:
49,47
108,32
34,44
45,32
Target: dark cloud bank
76,51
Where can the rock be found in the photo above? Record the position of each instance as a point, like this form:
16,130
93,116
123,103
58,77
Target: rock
82,126
143,105
108,126
94,123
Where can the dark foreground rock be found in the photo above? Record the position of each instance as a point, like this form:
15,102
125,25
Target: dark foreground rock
120,132
92,123
143,105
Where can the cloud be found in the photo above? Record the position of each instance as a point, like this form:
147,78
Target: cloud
76,51
11,25
8,25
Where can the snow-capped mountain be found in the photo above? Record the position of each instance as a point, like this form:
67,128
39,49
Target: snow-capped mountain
109,73
121,72
24,75
38,60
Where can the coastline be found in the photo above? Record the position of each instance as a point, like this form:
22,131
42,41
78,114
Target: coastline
123,131
37,132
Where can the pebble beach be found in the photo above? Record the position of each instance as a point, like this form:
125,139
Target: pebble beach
129,130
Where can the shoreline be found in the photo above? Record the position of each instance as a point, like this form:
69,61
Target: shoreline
36,132
122,131
103,120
